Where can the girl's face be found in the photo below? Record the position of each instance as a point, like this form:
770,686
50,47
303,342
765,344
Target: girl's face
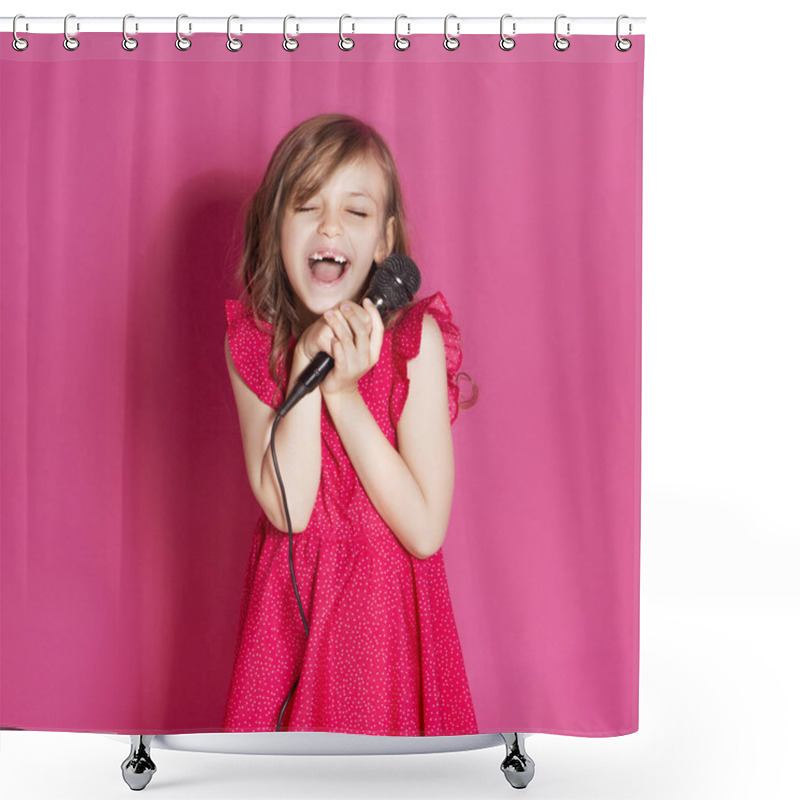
342,221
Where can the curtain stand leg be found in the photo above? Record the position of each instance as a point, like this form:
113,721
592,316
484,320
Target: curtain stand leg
517,766
138,768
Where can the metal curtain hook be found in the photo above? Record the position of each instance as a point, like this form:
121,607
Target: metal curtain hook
70,42
345,43
506,42
400,42
290,44
623,45
18,42
182,43
233,44
451,42
561,43
128,42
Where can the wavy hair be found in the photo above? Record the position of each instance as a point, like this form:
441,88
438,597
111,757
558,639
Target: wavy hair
302,162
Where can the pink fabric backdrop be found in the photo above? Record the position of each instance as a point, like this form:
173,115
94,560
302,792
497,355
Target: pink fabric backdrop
126,512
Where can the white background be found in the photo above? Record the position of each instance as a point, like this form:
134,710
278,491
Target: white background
720,477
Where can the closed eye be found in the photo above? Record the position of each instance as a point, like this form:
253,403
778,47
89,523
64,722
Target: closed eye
357,213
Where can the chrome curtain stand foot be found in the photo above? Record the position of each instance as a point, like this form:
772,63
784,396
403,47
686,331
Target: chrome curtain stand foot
138,768
517,766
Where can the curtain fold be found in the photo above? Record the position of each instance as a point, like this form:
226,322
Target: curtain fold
125,508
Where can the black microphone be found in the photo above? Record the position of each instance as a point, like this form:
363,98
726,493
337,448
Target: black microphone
395,282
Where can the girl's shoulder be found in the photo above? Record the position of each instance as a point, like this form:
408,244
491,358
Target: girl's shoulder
250,339
408,326
243,313
406,339
249,331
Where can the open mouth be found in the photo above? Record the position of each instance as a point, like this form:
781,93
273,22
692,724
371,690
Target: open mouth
327,271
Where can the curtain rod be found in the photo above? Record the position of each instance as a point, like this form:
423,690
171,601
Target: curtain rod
407,26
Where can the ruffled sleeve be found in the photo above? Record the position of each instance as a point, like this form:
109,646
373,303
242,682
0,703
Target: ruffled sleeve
407,337
250,349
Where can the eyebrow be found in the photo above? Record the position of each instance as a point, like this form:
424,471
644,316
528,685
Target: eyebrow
360,194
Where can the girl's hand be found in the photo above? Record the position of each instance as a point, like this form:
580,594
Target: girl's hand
358,338
316,338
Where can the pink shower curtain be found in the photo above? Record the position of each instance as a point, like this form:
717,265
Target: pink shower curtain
126,511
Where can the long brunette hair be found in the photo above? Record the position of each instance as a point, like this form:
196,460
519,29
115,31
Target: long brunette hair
302,162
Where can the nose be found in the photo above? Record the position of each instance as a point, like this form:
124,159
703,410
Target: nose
329,223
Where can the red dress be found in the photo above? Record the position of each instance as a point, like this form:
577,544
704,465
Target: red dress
383,655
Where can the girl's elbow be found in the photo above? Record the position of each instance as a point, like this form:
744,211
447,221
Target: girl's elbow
299,521
430,547
277,517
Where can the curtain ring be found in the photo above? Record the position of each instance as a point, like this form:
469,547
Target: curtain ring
623,45
290,44
561,43
18,42
233,44
451,42
345,43
400,42
506,42
128,42
70,42
182,43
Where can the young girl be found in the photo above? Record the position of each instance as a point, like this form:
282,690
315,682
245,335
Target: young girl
366,459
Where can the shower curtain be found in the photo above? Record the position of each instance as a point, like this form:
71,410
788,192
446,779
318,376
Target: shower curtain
127,516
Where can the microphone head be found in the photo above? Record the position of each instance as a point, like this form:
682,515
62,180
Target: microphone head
395,282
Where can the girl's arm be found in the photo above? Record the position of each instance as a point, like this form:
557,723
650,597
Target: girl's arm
412,487
297,446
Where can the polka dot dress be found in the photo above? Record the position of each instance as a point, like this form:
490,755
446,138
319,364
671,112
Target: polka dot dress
383,655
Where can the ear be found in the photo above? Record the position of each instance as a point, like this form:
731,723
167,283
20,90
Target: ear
389,238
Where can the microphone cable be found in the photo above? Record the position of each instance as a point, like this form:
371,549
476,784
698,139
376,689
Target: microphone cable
278,418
